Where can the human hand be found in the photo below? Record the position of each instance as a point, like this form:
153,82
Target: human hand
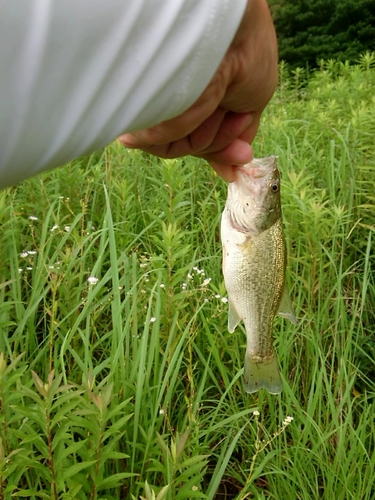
223,121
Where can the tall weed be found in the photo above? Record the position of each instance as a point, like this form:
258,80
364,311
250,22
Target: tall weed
118,378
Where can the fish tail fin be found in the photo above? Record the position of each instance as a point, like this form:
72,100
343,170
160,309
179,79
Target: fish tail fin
262,374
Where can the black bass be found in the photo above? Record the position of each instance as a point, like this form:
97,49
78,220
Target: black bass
254,262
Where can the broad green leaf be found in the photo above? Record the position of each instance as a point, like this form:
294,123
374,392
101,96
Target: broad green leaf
76,468
114,481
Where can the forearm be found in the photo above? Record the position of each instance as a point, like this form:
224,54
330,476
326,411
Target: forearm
75,75
223,122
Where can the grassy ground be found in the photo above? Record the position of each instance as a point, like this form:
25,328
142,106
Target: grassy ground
118,378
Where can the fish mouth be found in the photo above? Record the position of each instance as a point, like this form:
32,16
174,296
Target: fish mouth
254,172
258,168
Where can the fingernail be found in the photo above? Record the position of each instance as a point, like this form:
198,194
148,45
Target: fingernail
126,140
249,118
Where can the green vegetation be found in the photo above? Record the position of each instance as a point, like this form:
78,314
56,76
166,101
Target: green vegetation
309,30
127,385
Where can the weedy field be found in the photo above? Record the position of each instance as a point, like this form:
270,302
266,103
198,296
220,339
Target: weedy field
118,378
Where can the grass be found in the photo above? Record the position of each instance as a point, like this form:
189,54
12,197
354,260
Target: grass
128,385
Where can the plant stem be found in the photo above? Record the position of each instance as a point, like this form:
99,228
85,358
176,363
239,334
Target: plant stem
51,460
93,491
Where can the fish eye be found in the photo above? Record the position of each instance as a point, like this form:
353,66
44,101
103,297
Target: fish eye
275,186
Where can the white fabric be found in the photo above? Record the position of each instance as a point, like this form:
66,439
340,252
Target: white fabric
75,74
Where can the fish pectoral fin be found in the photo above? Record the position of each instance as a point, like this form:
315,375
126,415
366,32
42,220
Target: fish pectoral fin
286,308
233,318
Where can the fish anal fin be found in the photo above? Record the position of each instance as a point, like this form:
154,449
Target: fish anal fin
260,374
233,318
286,308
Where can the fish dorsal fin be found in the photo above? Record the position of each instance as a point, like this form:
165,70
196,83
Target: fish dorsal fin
286,308
233,318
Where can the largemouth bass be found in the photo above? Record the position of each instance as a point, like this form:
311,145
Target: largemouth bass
254,262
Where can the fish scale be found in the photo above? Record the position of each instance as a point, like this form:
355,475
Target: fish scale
254,262
254,290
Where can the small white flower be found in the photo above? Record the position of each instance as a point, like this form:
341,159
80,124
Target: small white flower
32,252
153,319
217,296
29,268
256,413
20,269
224,300
194,488
162,285
53,228
206,281
92,280
161,411
288,420
32,217
67,228
24,254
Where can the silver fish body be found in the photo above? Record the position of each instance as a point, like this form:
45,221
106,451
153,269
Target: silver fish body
254,262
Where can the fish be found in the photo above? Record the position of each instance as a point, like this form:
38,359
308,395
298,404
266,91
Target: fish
254,267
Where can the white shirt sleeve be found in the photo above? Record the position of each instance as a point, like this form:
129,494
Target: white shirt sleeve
75,74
